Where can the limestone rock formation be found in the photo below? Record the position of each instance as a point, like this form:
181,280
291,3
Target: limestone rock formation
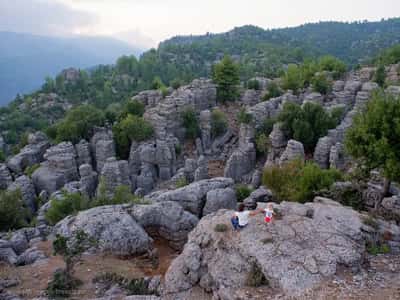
59,168
298,251
165,219
83,153
5,177
241,162
261,194
27,189
322,152
218,199
114,173
193,196
31,154
114,229
103,146
294,150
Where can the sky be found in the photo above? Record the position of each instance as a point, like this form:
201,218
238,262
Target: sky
147,22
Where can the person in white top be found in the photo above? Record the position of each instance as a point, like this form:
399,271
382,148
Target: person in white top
241,218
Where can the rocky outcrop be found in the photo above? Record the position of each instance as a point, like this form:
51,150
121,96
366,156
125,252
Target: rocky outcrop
259,195
59,168
299,250
31,154
88,181
294,150
251,97
193,196
218,199
278,145
201,172
149,98
166,115
5,177
83,153
103,146
322,152
25,185
114,174
167,220
205,129
241,162
114,229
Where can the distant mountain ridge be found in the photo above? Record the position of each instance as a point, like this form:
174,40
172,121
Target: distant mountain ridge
25,59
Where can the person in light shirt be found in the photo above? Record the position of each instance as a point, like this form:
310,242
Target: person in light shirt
241,218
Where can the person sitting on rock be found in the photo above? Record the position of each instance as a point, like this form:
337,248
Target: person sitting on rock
241,218
269,213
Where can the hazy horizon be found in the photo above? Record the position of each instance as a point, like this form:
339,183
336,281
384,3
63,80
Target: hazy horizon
146,23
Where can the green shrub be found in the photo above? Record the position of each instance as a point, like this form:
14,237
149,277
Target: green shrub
138,287
244,117
273,91
181,183
256,277
176,83
62,285
131,128
220,228
371,222
191,124
219,123
79,123
299,182
242,192
178,149
164,91
2,156
69,204
253,84
31,169
262,143
12,210
157,83
133,107
380,75
321,84
332,64
378,249
293,79
113,112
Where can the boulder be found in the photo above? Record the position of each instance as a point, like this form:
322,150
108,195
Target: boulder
59,168
5,177
193,196
167,220
7,254
322,152
19,242
114,229
201,172
25,185
314,98
300,250
218,199
190,168
261,194
294,150
31,154
241,162
114,173
30,256
393,90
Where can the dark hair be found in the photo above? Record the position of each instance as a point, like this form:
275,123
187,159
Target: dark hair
241,207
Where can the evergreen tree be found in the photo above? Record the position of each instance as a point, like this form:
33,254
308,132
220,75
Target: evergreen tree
226,76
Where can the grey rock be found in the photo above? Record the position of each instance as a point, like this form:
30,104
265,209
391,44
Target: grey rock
294,150
337,158
83,153
165,219
306,250
190,168
8,255
218,199
193,196
241,162
261,194
393,90
353,86
322,152
29,155
19,242
314,98
251,97
201,172
205,128
338,86
30,256
103,146
111,226
256,179
59,168
369,86
88,181
115,173
5,177
149,98
25,185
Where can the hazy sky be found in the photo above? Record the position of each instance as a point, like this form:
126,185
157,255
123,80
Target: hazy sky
149,21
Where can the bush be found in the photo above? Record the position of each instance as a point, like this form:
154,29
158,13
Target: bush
321,84
12,210
244,117
299,182
332,64
306,123
131,128
157,83
133,107
293,79
242,192
176,83
78,123
220,228
219,123
2,156
69,204
380,75
62,285
256,277
191,124
262,143
253,84
378,249
181,183
31,169
273,91
113,112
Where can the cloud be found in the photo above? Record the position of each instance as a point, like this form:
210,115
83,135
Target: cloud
46,17
135,38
